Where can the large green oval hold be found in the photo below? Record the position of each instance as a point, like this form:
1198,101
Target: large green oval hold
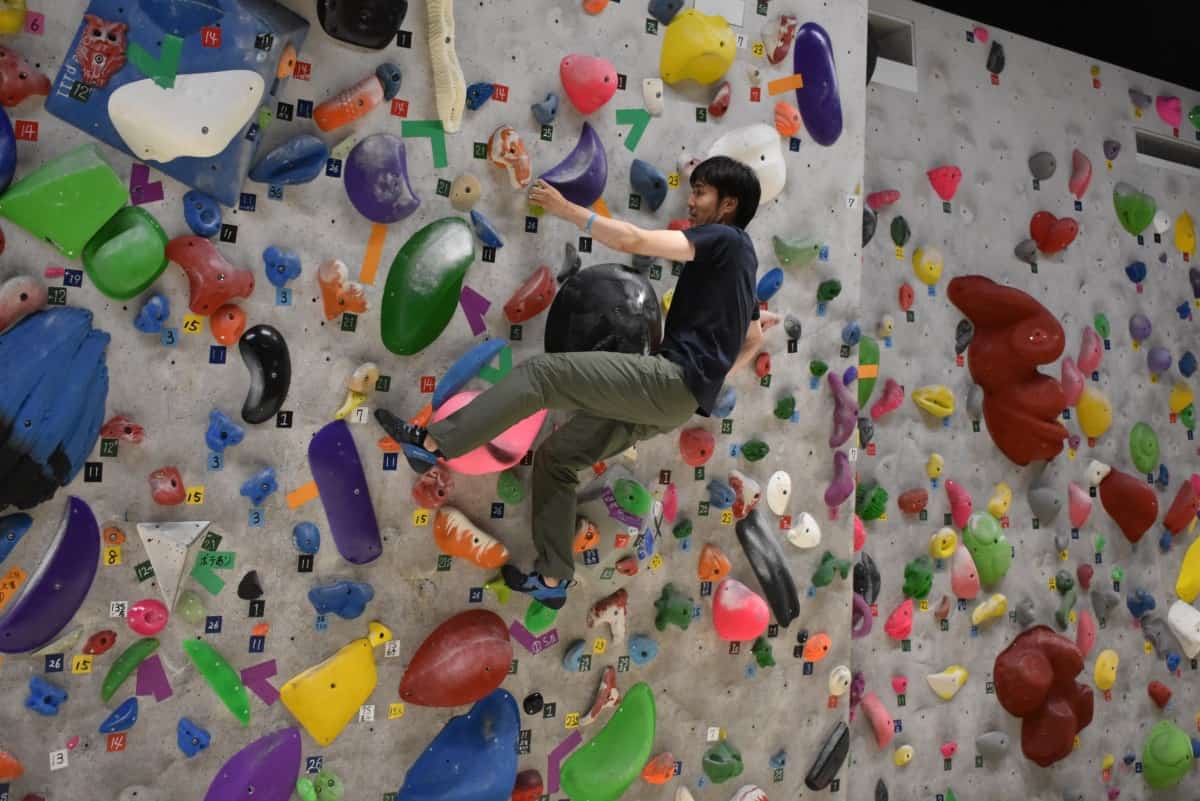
1166,756
1143,447
604,768
868,369
988,547
126,254
423,285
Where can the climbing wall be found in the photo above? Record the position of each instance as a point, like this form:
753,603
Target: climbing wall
705,689
1044,99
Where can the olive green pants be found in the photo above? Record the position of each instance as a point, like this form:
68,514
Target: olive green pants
620,399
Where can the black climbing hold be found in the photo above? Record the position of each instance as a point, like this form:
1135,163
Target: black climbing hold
250,588
830,758
866,578
533,703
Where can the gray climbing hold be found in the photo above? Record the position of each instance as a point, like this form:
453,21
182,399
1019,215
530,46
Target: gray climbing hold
1044,500
866,431
992,745
867,580
963,333
1024,612
1042,165
1140,99
1104,602
1027,251
649,182
975,402
1112,149
1155,629
881,793
1061,542
791,326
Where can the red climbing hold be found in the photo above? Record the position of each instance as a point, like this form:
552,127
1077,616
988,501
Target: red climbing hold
212,281
1185,506
906,296
945,181
883,199
696,446
1051,233
590,81
528,786
166,486
1130,502
460,662
121,427
1159,693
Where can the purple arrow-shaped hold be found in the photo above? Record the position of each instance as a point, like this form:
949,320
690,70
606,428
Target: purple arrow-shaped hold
141,189
152,679
557,756
255,678
474,306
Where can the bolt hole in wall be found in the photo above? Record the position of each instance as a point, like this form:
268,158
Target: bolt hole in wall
280,681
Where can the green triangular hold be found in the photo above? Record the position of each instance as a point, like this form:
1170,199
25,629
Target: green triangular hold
538,618
163,68
639,118
67,200
494,374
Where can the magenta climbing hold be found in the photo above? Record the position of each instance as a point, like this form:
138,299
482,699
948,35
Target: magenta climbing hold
960,503
1170,109
845,411
889,400
945,180
589,81
842,485
739,613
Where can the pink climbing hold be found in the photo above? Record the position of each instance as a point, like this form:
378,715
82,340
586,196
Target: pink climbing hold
881,721
889,401
1169,109
589,81
147,617
945,180
1091,351
670,503
739,613
899,685
960,503
1079,504
883,199
1085,633
1081,174
504,451
860,534
964,578
900,622
981,34
1072,381
949,749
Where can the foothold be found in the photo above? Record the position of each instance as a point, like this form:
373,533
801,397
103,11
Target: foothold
1062,614
719,103
545,110
18,79
478,94
787,119
100,642
250,587
528,786
153,315
1042,165
281,266
228,323
299,160
190,608
571,659
166,486
346,599
45,698
222,432
465,192
673,607
722,762
642,649
720,494
533,704
870,501
806,533
122,718
191,738
260,486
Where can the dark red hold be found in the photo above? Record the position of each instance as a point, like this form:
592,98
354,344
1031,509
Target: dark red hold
528,786
1084,572
1160,693
100,642
627,566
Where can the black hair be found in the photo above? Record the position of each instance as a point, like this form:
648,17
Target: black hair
733,179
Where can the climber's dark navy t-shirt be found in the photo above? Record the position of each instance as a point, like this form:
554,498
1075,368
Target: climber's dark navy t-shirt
711,309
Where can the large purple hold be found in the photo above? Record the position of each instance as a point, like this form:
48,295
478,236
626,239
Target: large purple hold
1139,327
56,588
265,770
581,176
376,178
342,485
1158,359
820,105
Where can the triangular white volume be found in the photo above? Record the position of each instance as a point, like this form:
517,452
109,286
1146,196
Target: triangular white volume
167,547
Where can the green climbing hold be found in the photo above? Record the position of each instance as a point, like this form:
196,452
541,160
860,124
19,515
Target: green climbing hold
305,789
424,284
1194,116
683,529
1135,210
539,618
829,567
501,590
1062,616
868,369
325,786
126,254
632,497
795,252
755,450
1117,573
870,501
509,488
763,654
722,762
785,408
1100,323
1098,542
1143,447
988,547
66,200
125,664
1166,756
222,678
901,233
918,577
673,608
1064,581
828,290
817,368
1188,417
603,768
190,607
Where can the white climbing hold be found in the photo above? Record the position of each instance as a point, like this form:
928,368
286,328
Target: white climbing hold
948,682
806,533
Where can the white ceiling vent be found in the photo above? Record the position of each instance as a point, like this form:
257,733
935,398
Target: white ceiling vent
1167,153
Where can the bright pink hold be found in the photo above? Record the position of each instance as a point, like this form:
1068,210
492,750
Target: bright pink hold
1079,504
899,684
945,181
949,749
739,613
589,81
1072,381
1170,110
1091,351
147,617
960,503
860,534
981,34
670,503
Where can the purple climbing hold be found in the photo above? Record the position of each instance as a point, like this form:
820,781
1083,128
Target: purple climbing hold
1139,327
818,100
581,176
1158,359
265,770
376,179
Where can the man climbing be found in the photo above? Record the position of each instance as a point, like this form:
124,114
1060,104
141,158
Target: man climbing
713,328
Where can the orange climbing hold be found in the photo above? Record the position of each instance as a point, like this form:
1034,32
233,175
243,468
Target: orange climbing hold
10,768
660,769
714,564
227,324
338,293
594,6
457,536
787,118
817,647
587,536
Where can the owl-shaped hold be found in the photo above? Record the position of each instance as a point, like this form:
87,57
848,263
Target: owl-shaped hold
101,49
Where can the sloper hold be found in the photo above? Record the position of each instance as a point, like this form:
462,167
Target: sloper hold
337,470
66,200
297,161
830,758
424,283
376,179
265,770
605,767
649,182
167,546
582,175
770,567
473,757
696,46
367,23
589,81
126,254
265,353
460,662
818,99
56,588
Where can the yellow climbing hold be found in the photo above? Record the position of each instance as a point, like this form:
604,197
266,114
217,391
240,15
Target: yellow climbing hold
937,399
1181,397
1185,233
1187,585
927,265
943,543
698,46
1095,413
992,608
948,682
1105,673
666,299
1000,501
902,756
935,465
327,696
1108,761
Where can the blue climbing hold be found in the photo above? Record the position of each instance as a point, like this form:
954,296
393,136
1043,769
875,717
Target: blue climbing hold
478,94
642,649
202,214
545,111
665,10
485,230
12,528
850,375
648,542
465,368
725,403
191,738
8,151
1184,310
346,599
1164,477
473,757
44,697
222,432
122,718
281,266
1187,364
260,486
153,314
1173,660
851,333
575,652
297,161
769,284
1136,272
778,759
1140,603
1164,541
720,494
649,182
307,537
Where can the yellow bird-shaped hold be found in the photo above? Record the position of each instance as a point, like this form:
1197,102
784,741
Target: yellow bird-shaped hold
1000,501
943,543
948,682
936,399
935,465
927,265
1181,397
992,608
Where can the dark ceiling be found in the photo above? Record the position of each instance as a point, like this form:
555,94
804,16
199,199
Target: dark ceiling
1158,39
